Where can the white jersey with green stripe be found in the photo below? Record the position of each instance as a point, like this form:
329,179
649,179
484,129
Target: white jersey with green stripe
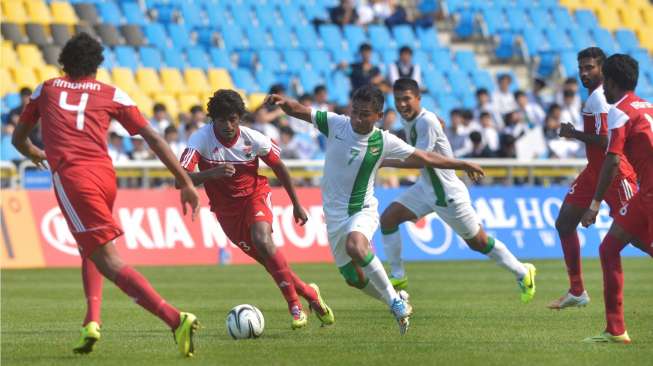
351,162
425,133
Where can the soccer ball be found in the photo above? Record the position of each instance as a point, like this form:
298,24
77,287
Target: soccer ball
245,321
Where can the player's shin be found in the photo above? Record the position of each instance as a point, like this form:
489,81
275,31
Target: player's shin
93,281
278,268
392,247
571,251
613,283
498,251
374,271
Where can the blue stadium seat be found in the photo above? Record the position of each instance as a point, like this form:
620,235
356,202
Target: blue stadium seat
197,57
282,37
133,14
331,37
320,61
586,18
220,58
421,58
435,81
517,20
126,57
295,60
342,53
404,36
179,36
466,60
265,79
534,40
11,100
627,40
604,39
109,61
243,80
109,13
441,59
156,35
562,19
380,37
538,15
506,47
267,17
429,103
173,58
483,79
257,37
493,19
557,39
580,38
446,102
569,64
459,81
355,36
241,13
465,26
339,88
151,57
314,11
306,36
428,38
291,13
166,13
246,59
206,36
548,62
233,38
270,60
192,14
468,99
309,79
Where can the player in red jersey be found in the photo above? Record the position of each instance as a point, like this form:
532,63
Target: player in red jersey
595,112
228,156
75,111
630,122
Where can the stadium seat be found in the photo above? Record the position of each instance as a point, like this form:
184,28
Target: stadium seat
29,55
265,78
355,36
569,64
220,58
257,38
143,102
631,17
483,79
604,40
156,35
306,37
459,81
282,37
109,13
608,18
187,101
435,81
627,40
151,57
270,60
421,58
241,13
493,19
169,101
63,12
179,36
464,27
109,34
36,34
380,37
24,76
103,76
244,80
133,14
196,80
133,35
562,18
314,11
331,36
13,32
191,14
404,36
320,61
466,60
14,12
295,60
9,57
108,62
586,19
538,15
148,80
255,100
172,81
7,84
233,38
85,28
38,12
47,72
87,13
441,60
197,57
266,16
51,54
220,79
126,57
173,58
557,39
309,79
580,38
517,20
60,33
124,79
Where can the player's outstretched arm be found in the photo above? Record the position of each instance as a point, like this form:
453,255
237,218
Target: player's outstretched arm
281,171
20,140
222,170
609,169
569,131
162,150
290,106
420,159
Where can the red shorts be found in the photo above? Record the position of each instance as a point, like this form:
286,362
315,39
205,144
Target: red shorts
86,197
636,218
237,223
582,191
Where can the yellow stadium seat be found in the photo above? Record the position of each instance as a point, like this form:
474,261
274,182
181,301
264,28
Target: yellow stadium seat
143,102
25,76
124,79
13,12
220,79
255,100
172,81
148,80
608,18
29,55
169,101
9,57
640,3
103,76
196,80
63,12
7,84
647,15
631,17
187,101
572,4
38,11
47,72
645,38
204,97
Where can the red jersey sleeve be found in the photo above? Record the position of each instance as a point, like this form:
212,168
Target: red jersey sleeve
125,111
270,153
189,159
31,114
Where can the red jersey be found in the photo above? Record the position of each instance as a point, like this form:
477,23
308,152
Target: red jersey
595,121
208,150
631,133
75,116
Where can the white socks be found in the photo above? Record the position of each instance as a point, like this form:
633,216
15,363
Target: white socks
505,258
392,247
375,273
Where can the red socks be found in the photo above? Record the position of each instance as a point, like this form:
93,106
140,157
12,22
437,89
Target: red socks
138,288
613,283
93,281
283,277
571,250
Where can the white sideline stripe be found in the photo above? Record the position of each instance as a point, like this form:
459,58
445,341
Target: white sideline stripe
627,189
77,223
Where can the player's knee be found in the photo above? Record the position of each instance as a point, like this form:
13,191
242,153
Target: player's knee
353,275
263,243
389,224
563,226
355,251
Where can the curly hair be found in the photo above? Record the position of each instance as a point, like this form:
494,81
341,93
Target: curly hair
623,70
224,103
592,52
81,56
370,94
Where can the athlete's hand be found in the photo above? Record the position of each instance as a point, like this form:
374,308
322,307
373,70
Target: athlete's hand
276,100
189,196
567,130
300,215
589,217
39,159
474,171
222,170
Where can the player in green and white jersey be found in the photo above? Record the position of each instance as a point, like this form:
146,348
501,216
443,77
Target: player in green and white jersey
355,149
442,192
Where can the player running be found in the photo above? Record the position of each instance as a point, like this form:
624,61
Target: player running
630,123
354,152
439,191
577,200
75,111
228,156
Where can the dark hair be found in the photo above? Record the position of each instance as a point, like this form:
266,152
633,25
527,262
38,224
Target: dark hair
519,93
623,70
224,103
286,130
552,107
405,49
592,52
456,111
170,129
159,107
406,84
504,76
484,114
364,47
81,56
480,91
196,109
305,97
370,94
467,114
277,89
539,82
319,89
568,94
476,137
570,80
25,92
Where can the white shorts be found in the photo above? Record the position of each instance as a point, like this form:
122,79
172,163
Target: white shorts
365,222
458,214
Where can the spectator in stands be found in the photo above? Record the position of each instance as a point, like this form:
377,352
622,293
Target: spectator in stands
514,125
189,130
534,114
508,148
365,13
270,113
458,134
484,104
140,150
344,14
7,149
160,119
14,114
321,99
397,13
570,110
364,72
489,131
558,147
171,136
197,116
503,99
404,67
117,149
535,96
552,122
300,126
479,148
570,86
265,125
286,135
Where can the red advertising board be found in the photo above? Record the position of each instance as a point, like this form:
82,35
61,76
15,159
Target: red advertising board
157,233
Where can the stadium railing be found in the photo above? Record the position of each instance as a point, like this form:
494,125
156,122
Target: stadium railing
498,171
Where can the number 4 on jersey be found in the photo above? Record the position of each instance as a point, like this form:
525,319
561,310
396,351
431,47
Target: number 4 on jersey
63,103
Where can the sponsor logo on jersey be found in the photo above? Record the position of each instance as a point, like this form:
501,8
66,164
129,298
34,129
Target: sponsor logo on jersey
260,213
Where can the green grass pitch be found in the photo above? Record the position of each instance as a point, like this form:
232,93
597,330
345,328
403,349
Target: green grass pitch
466,313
